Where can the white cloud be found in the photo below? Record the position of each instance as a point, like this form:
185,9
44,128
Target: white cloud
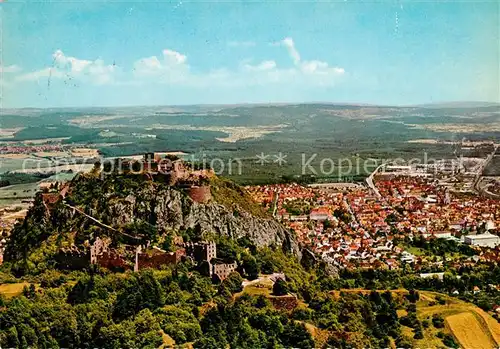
10,69
101,73
43,73
313,67
147,66
174,57
319,67
263,66
73,64
244,44
172,67
292,51
96,72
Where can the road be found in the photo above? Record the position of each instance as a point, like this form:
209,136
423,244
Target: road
480,172
369,181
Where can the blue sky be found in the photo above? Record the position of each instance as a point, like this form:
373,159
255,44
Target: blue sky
156,53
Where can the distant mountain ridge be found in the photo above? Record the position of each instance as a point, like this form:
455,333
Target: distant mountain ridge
194,107
459,104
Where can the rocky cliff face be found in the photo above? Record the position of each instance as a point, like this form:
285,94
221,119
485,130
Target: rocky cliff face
170,209
110,205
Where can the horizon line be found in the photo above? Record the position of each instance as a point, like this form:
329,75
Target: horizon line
277,103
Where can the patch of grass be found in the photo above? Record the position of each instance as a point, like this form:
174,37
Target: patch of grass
416,251
261,287
457,313
168,342
320,335
12,290
232,196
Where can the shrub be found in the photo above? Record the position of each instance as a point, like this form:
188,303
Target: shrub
280,288
52,279
437,321
441,300
449,341
418,333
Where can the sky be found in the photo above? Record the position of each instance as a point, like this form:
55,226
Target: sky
124,53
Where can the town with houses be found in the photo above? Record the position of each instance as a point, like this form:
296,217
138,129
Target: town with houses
350,225
354,228
369,226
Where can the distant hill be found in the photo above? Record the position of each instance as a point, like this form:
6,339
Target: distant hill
458,104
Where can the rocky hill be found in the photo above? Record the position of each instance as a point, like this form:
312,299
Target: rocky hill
134,209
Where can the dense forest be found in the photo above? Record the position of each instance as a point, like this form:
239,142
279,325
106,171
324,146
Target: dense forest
97,308
309,306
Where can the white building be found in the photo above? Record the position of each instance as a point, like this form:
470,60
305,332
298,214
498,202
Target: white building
490,225
440,276
483,240
407,257
438,235
320,214
399,169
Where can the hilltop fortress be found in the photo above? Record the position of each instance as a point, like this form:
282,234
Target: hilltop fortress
169,169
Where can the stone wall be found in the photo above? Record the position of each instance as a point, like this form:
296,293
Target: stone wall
222,271
288,302
98,248
157,258
113,261
201,251
200,194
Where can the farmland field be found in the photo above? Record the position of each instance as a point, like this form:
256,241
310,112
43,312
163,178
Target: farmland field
468,331
19,191
460,317
298,131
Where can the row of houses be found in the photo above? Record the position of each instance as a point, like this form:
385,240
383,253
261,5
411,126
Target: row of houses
354,227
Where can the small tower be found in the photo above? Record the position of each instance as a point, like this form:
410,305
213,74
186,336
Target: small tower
138,250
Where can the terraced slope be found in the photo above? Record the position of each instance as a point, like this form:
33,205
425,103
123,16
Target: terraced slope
470,326
469,332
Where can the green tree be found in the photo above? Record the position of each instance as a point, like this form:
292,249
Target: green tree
295,335
280,288
249,264
232,283
142,291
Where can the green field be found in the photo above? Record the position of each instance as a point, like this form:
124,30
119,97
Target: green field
14,194
326,132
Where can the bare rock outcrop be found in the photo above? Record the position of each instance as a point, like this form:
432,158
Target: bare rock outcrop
170,209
